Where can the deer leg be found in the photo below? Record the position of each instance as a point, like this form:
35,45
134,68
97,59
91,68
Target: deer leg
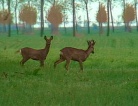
58,61
42,63
23,61
67,64
81,65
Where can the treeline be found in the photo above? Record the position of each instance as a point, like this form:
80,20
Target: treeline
28,12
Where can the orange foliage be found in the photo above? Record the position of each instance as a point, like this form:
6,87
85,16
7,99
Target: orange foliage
5,17
129,13
28,14
55,16
101,15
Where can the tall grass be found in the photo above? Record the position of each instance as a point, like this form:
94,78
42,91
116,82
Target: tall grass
110,76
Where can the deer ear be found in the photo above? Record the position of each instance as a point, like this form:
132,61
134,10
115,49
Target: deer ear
51,37
93,42
88,42
45,37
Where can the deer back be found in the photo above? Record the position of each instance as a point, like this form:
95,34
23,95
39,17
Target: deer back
78,54
73,54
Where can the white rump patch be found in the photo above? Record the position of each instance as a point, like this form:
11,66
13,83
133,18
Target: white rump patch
20,51
61,53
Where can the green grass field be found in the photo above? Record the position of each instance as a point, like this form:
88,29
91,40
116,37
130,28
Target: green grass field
110,76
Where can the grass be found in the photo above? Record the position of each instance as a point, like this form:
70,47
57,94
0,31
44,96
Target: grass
110,76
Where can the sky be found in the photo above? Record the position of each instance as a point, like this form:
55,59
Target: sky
93,9
117,11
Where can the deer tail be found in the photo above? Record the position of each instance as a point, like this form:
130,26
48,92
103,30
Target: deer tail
18,51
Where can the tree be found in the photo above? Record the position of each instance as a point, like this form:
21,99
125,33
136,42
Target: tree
87,13
124,4
101,17
2,2
55,17
42,18
15,9
129,15
136,15
9,10
108,22
65,10
28,19
5,17
112,20
73,6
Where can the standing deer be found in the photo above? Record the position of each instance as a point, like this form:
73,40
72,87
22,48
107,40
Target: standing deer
69,53
40,55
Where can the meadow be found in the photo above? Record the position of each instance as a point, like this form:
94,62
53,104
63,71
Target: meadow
110,76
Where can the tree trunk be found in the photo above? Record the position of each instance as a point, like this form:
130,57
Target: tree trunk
42,18
65,24
100,28
65,29
128,27
17,29
76,23
124,13
88,22
136,15
9,26
108,24
55,29
111,15
73,17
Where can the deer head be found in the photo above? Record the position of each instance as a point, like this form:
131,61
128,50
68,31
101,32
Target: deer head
48,41
91,44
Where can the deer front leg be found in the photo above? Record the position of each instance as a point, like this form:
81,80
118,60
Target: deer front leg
41,63
67,64
81,65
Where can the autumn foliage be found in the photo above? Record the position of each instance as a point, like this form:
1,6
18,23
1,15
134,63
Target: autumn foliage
129,13
5,17
101,17
28,14
55,16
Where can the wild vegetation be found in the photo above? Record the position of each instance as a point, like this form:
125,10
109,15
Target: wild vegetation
110,75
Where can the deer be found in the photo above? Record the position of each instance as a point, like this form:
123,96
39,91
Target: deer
69,53
39,55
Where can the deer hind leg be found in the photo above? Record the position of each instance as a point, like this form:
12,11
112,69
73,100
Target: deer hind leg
67,64
59,61
23,61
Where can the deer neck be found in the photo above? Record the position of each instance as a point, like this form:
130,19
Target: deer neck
47,48
88,51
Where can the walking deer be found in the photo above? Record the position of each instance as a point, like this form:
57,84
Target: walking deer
79,55
40,55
